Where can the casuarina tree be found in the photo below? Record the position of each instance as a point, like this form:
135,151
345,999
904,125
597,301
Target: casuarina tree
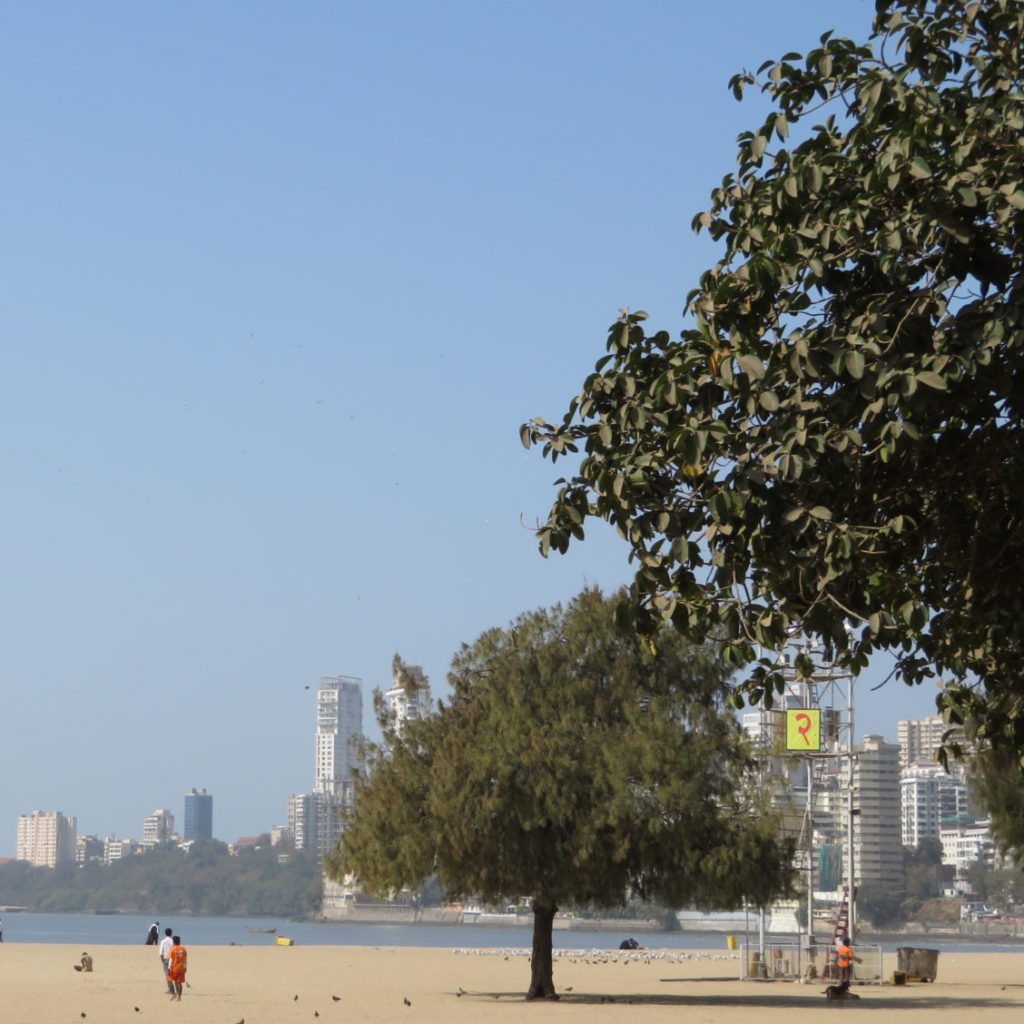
573,764
834,442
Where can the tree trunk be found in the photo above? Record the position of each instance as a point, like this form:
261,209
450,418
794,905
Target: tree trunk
542,980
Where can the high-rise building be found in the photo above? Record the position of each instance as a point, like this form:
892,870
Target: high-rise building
46,838
409,696
339,731
921,738
877,832
315,819
929,797
157,828
302,820
198,815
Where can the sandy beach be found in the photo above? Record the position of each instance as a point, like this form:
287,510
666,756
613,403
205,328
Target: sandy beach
228,984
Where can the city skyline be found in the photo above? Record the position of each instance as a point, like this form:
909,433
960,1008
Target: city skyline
326,725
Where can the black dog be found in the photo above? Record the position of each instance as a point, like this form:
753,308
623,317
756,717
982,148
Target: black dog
839,993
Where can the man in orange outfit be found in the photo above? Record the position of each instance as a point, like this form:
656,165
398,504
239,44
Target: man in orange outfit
845,958
177,962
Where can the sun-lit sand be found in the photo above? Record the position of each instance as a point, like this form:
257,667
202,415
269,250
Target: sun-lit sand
259,985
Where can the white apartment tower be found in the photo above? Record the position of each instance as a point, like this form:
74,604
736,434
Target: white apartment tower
930,797
920,739
47,838
339,730
409,696
315,819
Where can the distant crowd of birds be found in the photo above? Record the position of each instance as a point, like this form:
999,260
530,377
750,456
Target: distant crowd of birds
604,956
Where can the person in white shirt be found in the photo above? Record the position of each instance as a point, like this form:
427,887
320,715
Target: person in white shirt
165,955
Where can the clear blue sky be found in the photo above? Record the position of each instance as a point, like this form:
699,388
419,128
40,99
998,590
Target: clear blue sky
280,282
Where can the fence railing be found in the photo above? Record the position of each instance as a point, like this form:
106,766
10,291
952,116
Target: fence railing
791,961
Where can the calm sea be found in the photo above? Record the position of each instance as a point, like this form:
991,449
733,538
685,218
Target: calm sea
126,929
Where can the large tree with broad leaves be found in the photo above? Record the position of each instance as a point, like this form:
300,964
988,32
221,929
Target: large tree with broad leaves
834,442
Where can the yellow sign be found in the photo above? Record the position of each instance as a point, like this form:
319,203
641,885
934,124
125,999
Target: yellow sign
803,729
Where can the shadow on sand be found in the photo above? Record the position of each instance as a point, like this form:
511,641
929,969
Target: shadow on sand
810,996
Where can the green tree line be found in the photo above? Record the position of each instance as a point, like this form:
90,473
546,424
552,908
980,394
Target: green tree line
206,880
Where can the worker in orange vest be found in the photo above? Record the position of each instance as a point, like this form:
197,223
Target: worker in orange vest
845,959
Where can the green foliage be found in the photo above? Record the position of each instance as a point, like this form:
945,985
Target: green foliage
921,869
1003,886
996,782
575,763
881,904
835,443
204,881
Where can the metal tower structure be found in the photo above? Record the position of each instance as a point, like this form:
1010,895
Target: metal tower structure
816,685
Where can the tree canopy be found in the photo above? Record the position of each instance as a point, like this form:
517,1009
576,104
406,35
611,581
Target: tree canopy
834,443
575,764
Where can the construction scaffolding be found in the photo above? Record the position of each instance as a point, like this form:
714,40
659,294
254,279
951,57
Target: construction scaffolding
807,742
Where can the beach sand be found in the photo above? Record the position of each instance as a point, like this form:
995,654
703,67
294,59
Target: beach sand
228,984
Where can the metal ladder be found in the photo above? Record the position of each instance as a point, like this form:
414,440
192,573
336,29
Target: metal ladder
841,928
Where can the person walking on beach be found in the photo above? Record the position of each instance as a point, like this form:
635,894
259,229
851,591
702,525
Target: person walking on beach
153,935
845,959
165,957
178,957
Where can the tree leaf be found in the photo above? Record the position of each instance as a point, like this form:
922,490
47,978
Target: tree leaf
920,168
932,380
853,360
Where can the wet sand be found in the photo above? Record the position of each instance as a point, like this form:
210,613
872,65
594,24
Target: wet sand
228,984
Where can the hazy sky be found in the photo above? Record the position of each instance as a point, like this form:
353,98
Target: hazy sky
280,282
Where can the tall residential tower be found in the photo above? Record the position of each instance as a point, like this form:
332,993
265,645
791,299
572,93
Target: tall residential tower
46,838
315,818
198,815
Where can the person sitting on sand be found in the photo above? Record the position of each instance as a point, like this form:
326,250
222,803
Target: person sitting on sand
85,965
178,958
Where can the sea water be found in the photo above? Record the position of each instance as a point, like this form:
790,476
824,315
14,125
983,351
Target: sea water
87,930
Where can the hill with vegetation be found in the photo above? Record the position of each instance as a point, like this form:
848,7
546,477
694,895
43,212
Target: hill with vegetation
207,880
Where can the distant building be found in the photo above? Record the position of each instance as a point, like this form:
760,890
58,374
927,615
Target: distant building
965,842
46,838
198,815
157,828
118,849
929,796
88,848
921,738
281,835
877,826
339,731
315,819
302,820
409,696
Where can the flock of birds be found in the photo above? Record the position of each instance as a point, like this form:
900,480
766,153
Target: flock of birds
603,956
